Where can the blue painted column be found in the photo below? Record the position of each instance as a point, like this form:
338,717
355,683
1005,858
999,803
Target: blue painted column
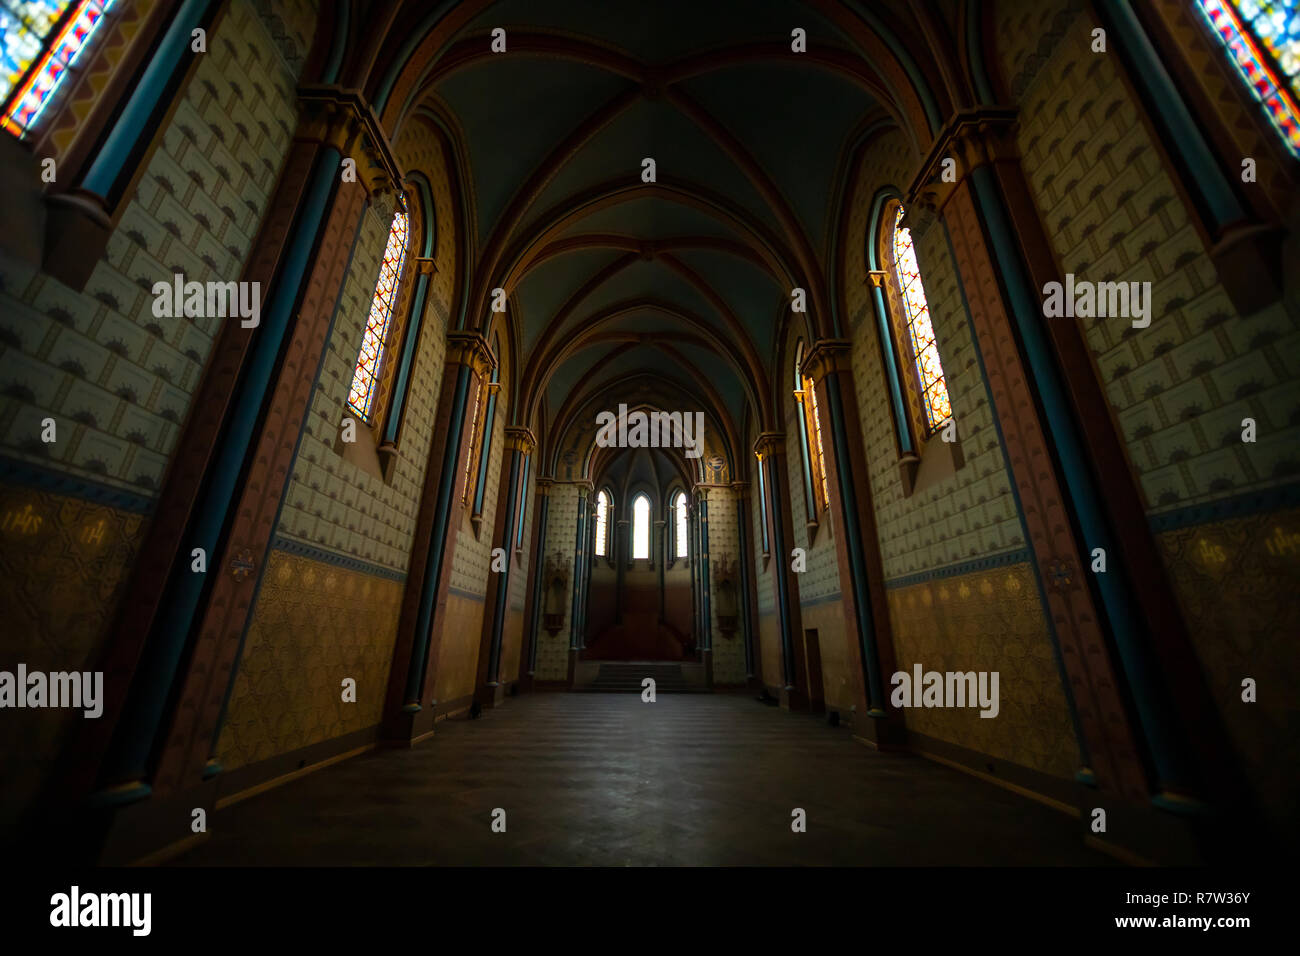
1120,605
828,367
706,603
771,451
518,445
746,569
468,355
543,512
133,741
579,561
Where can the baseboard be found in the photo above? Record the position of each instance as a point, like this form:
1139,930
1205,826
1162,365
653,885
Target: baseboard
272,783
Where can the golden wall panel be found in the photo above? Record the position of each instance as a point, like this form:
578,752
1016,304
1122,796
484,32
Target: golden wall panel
988,621
314,625
1239,585
62,565
458,655
827,619
511,642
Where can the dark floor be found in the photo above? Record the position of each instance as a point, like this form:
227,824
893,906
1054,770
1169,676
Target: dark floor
605,779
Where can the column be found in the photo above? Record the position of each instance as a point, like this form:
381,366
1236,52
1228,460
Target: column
409,706
519,443
770,449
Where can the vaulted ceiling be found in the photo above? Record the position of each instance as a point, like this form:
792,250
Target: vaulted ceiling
687,278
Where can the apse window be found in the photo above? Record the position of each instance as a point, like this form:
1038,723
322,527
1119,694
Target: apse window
1261,38
42,43
681,535
925,351
641,528
365,379
602,524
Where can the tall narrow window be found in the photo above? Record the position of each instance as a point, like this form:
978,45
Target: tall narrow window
519,515
925,352
1262,39
810,431
481,451
640,527
681,531
602,524
361,396
473,437
41,44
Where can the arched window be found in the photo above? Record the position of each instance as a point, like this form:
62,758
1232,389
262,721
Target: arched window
681,530
1262,40
810,434
365,379
476,466
41,44
935,404
640,527
602,524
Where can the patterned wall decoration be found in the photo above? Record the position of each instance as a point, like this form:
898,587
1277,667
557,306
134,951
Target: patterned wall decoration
1237,581
314,625
561,528
728,652
333,504
973,513
1181,387
62,565
989,620
822,576
116,378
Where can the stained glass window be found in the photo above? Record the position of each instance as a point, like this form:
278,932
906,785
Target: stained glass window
361,396
934,388
1262,39
602,523
641,527
814,428
681,536
473,433
40,43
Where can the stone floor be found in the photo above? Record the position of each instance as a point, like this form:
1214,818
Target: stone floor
605,779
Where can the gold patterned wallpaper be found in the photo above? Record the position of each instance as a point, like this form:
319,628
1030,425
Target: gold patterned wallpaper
988,621
62,566
1239,585
314,625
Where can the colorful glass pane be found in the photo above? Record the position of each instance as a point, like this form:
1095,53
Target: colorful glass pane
40,41
934,388
681,531
641,528
602,522
362,394
814,429
1262,39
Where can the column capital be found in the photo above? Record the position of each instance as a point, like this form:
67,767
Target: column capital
520,439
827,356
740,489
769,444
544,486
971,138
344,119
471,349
